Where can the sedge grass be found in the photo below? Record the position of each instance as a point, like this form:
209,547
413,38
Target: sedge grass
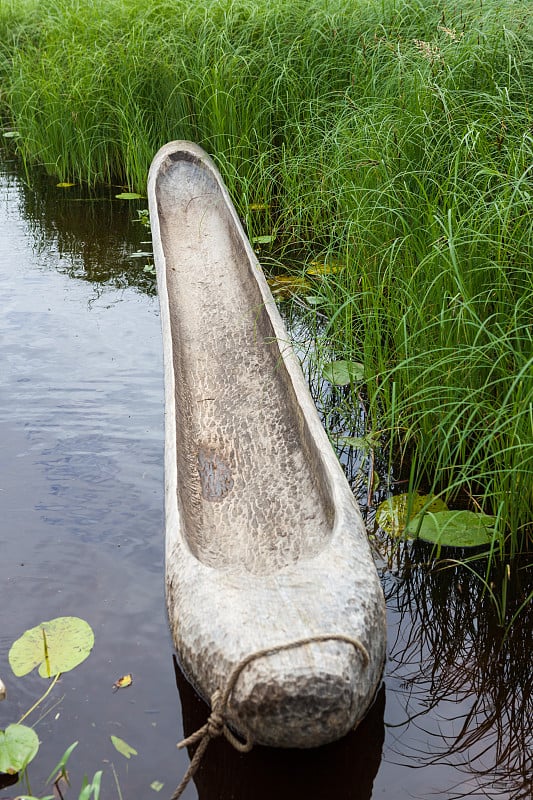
395,137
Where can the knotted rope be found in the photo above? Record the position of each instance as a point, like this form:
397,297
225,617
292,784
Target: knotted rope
216,724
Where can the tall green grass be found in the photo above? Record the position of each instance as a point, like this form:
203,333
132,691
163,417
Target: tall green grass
395,137
436,296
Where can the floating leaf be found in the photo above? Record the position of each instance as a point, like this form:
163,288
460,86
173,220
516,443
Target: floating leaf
392,514
258,206
55,646
357,442
32,797
318,268
18,746
263,239
149,268
453,528
123,682
144,219
11,134
284,286
156,786
64,185
341,373
129,196
123,747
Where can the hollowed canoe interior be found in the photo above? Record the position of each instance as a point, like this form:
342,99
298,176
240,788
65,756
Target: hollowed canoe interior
252,493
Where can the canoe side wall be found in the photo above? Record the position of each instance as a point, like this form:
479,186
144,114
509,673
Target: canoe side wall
217,617
238,413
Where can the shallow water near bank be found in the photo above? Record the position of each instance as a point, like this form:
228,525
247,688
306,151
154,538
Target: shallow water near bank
81,533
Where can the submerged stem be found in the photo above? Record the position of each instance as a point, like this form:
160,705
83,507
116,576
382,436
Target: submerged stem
40,700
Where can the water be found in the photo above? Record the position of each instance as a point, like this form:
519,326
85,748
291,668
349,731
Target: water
81,533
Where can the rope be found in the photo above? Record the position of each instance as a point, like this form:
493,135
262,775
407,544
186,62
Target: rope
216,724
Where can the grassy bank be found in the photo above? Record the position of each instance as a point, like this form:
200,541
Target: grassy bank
394,138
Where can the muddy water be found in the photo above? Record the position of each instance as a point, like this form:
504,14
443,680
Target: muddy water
81,532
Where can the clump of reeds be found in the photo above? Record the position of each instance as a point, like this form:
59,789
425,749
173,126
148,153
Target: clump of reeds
393,137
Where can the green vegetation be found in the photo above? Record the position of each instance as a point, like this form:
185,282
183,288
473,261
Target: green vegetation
392,138
56,646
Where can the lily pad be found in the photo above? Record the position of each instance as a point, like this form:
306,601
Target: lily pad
318,268
55,646
357,442
453,528
18,746
129,196
283,286
123,747
391,514
32,797
366,443
263,239
341,373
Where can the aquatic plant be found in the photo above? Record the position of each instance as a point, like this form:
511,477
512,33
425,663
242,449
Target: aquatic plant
464,679
55,647
392,139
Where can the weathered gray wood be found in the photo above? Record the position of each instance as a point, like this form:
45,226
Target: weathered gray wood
264,541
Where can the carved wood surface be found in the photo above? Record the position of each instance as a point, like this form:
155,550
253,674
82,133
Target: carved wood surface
264,541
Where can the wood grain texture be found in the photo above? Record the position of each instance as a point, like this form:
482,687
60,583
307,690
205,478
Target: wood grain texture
264,541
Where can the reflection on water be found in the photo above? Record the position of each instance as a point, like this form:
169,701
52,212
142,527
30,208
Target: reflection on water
344,770
81,523
89,236
464,688
366,468
81,533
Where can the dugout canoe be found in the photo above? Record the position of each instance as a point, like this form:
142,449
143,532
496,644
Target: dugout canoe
345,770
270,580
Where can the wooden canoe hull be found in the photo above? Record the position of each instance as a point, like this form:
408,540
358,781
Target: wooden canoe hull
265,543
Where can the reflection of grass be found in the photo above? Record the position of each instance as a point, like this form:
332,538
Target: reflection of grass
91,237
465,683
394,139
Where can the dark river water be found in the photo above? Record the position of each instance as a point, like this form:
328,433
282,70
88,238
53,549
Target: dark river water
81,533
